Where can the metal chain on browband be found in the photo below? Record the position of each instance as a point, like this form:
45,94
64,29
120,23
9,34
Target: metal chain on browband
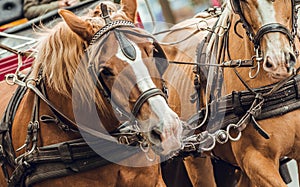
112,25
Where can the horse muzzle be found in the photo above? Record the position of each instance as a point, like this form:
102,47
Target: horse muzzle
281,65
165,140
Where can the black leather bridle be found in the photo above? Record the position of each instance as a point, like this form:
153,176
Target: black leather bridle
129,51
267,28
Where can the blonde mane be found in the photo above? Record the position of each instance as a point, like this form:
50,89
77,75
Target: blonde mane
59,52
60,56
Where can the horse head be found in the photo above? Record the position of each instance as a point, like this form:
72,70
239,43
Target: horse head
270,25
104,57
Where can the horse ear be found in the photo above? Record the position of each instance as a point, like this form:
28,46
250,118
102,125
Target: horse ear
129,7
82,28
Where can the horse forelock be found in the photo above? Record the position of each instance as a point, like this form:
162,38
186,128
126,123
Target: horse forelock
113,10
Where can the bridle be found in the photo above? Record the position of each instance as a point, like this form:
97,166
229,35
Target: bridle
128,132
271,27
256,38
129,51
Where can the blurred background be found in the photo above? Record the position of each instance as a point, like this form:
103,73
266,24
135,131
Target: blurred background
166,13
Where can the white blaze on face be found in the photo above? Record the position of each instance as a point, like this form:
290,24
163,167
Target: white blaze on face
171,125
144,82
266,14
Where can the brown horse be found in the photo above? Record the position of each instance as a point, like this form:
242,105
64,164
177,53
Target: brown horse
267,28
90,72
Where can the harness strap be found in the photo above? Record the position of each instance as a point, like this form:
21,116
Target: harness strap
68,121
233,106
64,159
271,27
144,97
67,157
105,14
26,54
7,152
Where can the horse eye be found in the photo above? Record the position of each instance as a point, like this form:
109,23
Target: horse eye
107,72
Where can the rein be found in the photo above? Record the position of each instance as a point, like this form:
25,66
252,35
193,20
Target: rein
226,64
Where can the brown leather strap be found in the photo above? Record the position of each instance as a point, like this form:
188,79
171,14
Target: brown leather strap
67,120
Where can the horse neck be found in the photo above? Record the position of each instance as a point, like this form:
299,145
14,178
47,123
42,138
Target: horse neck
241,48
51,133
180,88
180,84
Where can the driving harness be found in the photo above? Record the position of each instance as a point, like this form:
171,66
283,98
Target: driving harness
40,163
232,113
259,101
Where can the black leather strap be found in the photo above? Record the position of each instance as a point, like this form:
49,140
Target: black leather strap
68,121
125,45
268,28
231,107
144,97
272,27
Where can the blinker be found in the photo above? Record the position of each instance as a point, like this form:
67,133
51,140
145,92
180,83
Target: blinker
125,45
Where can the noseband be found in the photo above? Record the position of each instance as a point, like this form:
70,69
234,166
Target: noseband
268,28
130,53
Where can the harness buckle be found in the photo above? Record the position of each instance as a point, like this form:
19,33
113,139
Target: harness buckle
124,140
65,152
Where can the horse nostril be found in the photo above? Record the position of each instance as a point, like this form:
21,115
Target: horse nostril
269,64
291,60
155,133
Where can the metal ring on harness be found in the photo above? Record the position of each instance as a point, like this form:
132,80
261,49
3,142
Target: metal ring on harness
212,145
146,150
238,137
258,60
10,79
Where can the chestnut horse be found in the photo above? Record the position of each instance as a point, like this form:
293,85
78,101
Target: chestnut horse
90,75
222,43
